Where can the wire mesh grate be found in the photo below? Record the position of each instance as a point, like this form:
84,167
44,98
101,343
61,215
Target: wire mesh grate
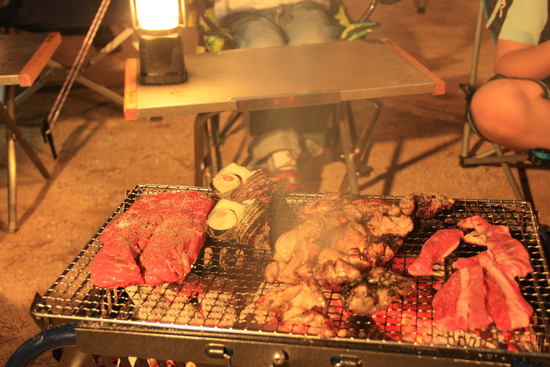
224,283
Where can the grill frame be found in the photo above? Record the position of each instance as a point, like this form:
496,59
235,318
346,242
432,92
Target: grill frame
99,332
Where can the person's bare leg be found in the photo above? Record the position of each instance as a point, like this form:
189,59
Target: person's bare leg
513,113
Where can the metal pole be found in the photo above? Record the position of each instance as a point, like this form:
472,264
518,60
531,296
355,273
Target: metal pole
12,165
477,44
473,75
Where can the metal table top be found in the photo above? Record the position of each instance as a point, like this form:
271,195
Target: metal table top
289,76
24,55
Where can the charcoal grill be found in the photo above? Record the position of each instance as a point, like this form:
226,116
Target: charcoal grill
171,322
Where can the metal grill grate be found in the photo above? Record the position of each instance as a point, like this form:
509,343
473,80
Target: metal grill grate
220,291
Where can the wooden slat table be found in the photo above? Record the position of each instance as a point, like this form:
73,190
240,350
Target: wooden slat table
23,56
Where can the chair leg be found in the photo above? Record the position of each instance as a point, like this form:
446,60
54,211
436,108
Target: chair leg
362,144
347,149
509,175
494,155
216,140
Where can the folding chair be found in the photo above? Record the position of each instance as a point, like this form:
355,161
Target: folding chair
214,39
70,18
470,157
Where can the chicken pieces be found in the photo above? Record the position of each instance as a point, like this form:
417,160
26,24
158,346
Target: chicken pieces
298,306
340,243
375,292
337,238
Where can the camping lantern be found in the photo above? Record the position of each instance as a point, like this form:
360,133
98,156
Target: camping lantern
158,23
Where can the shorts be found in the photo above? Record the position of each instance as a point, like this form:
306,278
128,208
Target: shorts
545,87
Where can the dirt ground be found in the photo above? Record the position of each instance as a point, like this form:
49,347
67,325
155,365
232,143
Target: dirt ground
416,146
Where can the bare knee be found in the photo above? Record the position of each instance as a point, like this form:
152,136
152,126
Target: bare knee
498,109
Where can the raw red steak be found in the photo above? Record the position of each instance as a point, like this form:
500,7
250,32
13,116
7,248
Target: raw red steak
436,249
155,241
460,303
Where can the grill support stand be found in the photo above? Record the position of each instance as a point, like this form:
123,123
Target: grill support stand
252,350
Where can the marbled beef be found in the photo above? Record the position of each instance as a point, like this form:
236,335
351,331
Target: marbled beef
460,303
507,251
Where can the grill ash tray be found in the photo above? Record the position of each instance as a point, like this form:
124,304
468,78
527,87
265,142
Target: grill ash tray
216,301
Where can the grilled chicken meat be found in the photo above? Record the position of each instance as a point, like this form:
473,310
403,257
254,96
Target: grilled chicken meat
299,306
376,291
362,232
422,206
337,272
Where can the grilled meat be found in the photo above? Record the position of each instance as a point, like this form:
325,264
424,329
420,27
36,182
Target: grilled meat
436,249
297,306
505,304
306,254
460,303
363,232
457,306
507,251
376,291
335,273
422,206
350,236
285,246
339,243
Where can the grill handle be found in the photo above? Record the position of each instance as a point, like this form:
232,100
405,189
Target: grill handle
280,357
219,351
346,361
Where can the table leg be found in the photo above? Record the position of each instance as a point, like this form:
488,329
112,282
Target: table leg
203,157
10,123
12,167
14,133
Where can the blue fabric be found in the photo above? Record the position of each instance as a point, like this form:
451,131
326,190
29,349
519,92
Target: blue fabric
288,24
293,24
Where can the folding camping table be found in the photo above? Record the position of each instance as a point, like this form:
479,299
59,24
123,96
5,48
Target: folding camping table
23,57
288,76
